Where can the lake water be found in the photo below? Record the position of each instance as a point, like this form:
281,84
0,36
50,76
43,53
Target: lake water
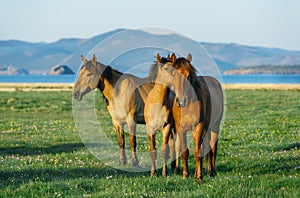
261,79
227,79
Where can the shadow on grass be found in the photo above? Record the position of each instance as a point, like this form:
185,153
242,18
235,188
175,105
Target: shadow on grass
16,178
69,147
278,165
288,147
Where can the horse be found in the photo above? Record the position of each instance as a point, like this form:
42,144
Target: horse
158,110
213,101
198,107
125,95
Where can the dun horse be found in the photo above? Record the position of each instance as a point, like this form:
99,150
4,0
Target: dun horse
158,115
198,107
125,95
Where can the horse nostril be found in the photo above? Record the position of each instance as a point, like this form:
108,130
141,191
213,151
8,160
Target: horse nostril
76,95
183,103
180,103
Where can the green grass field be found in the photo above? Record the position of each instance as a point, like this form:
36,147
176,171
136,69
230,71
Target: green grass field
42,155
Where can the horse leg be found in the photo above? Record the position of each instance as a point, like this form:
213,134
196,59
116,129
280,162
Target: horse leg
184,153
198,139
172,151
213,153
132,142
174,145
121,140
177,151
165,149
153,154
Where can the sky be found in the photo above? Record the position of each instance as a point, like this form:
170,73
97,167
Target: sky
267,23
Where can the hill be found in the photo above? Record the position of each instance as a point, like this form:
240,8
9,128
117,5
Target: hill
235,56
266,69
40,57
61,70
12,70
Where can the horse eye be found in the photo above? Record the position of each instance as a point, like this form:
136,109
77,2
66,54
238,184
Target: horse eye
89,74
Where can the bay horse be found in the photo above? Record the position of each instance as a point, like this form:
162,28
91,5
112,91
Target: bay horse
125,95
158,110
198,107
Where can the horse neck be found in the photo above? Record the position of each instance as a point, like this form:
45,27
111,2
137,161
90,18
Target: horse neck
195,95
115,77
108,84
107,91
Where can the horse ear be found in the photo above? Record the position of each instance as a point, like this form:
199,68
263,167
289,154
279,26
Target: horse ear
173,58
158,58
189,57
83,59
94,60
169,57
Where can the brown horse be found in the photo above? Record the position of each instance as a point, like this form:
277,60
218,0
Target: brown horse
213,108
158,107
124,94
198,107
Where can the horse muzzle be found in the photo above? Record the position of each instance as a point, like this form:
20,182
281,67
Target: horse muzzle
180,102
77,95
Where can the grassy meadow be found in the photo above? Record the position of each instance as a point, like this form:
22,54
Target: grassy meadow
42,155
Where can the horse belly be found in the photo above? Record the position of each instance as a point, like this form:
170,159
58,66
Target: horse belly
139,119
123,103
118,115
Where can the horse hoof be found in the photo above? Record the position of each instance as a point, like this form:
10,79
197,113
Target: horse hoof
135,162
195,174
199,180
177,170
153,173
122,162
185,176
213,174
164,174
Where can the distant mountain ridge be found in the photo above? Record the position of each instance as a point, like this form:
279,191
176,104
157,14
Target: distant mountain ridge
41,57
244,56
266,69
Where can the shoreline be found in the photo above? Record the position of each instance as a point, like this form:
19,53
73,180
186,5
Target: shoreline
36,86
262,86
69,86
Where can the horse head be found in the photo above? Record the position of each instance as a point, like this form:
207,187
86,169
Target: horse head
165,70
88,79
182,83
